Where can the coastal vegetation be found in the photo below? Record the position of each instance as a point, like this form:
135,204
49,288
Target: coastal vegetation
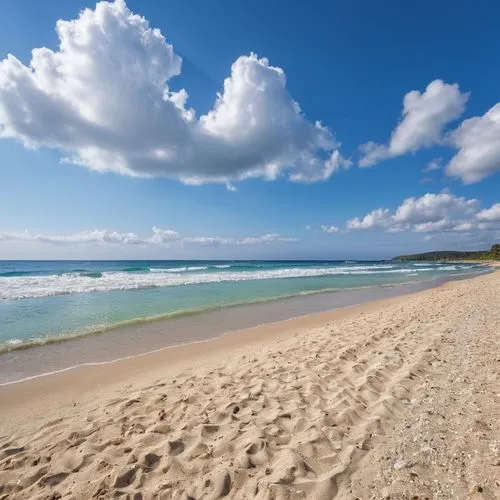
492,254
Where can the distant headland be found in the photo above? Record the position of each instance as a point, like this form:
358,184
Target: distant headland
492,254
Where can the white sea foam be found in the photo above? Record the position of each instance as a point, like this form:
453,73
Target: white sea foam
178,269
14,341
170,270
367,268
41,286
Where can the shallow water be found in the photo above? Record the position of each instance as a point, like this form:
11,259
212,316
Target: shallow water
147,336
48,301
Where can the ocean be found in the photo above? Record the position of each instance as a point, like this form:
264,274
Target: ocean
44,302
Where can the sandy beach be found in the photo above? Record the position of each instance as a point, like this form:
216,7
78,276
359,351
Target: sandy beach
397,398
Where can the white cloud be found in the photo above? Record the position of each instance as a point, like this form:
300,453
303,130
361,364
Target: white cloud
478,142
267,238
434,207
159,237
376,218
95,236
423,119
330,229
432,165
426,180
216,241
464,226
491,214
104,99
429,213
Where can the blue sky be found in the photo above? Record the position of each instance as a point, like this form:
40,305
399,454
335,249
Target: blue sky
287,189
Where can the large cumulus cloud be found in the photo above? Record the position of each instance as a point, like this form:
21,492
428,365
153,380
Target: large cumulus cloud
104,99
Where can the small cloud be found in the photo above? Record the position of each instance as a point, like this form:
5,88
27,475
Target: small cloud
478,142
424,116
491,214
330,229
429,213
432,165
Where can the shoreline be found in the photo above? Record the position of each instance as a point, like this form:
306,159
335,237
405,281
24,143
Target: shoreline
165,317
367,399
182,352
28,327
93,348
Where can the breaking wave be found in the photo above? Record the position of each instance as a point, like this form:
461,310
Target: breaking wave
22,285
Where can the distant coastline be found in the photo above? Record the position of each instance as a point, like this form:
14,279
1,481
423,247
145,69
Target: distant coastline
492,254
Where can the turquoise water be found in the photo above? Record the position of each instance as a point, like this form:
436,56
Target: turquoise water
43,301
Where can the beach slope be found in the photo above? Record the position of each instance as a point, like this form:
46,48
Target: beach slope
394,399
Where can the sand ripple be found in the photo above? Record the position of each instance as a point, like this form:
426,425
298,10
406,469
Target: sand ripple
298,417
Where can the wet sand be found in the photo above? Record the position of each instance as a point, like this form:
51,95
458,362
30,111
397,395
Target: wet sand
127,341
396,398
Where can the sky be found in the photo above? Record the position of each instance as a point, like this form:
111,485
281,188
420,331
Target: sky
264,130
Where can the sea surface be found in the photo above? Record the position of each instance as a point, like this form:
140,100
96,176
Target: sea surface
49,301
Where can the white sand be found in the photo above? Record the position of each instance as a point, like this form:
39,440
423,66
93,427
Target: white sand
395,399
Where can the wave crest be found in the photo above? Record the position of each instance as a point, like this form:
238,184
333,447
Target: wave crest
21,287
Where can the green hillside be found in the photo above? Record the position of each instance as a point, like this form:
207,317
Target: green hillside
492,254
